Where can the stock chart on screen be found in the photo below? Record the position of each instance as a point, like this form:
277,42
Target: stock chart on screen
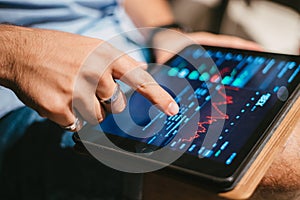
228,90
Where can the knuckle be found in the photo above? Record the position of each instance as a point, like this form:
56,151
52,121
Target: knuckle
119,109
59,110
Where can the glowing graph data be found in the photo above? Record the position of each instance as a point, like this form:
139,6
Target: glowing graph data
211,119
236,91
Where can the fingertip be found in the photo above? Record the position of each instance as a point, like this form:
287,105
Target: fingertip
99,112
172,109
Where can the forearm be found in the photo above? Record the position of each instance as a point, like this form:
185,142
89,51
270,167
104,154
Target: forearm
13,41
7,51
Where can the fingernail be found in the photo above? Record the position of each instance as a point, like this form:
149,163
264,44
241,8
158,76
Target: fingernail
173,108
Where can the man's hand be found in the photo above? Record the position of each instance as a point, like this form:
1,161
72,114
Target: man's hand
53,72
169,42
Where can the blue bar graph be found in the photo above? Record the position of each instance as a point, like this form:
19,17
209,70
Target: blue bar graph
294,74
269,66
247,74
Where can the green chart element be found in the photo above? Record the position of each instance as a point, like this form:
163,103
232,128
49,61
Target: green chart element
227,80
201,68
213,69
173,71
204,77
194,75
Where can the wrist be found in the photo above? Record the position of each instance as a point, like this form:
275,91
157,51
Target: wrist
158,35
154,32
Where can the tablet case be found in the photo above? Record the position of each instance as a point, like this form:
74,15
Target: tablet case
275,145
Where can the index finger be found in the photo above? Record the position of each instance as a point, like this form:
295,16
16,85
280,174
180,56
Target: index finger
129,71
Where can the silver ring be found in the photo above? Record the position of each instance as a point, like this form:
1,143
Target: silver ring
114,97
76,126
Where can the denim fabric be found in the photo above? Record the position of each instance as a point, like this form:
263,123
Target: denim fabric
14,125
36,167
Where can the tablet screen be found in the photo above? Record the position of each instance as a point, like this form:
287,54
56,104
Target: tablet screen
231,96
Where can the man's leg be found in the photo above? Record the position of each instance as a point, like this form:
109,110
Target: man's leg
36,167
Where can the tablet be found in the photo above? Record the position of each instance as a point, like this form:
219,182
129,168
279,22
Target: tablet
231,102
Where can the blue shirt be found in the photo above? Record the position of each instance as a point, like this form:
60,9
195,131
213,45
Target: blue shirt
101,19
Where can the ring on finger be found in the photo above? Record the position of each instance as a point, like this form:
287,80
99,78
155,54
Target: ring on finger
74,127
114,96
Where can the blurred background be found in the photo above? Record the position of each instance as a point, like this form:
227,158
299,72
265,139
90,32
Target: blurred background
274,24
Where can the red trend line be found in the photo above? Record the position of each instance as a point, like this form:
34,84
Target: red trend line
225,70
191,138
211,119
